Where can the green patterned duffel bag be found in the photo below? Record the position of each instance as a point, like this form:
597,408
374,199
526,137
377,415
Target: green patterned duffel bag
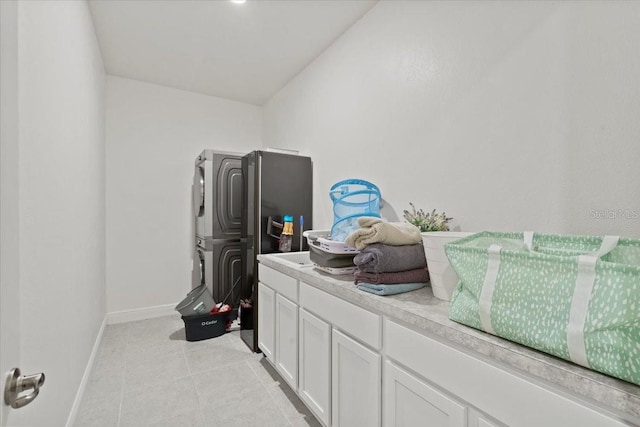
575,297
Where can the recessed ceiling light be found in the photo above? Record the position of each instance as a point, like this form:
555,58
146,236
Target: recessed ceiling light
238,1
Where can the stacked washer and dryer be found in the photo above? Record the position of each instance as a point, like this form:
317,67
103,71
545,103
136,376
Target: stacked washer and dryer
217,203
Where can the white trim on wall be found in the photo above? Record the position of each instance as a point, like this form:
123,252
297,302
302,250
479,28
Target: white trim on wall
140,314
86,376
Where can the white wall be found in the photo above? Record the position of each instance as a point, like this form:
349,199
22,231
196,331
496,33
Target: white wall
506,115
9,200
153,135
61,200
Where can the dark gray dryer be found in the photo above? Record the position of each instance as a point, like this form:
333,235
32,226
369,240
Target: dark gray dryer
217,195
217,206
218,264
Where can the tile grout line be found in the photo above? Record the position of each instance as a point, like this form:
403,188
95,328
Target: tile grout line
191,375
269,393
195,389
186,360
124,371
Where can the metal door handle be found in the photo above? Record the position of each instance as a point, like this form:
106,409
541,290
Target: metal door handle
17,383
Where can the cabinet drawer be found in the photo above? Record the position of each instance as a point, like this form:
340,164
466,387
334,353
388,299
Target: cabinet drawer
355,321
281,283
508,397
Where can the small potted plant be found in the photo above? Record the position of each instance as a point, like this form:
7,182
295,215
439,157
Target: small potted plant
435,232
427,221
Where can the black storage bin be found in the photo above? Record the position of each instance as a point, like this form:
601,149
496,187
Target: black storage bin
204,326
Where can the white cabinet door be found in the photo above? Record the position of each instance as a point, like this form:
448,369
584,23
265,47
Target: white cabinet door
356,383
315,365
478,419
286,357
410,402
266,320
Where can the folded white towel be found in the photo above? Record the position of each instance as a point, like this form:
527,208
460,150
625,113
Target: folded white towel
376,230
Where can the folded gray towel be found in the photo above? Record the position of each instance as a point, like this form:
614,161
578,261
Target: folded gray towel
380,258
409,276
376,230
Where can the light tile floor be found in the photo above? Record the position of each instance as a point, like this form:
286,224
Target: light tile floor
147,374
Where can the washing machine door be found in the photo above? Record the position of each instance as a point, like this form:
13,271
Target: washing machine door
198,272
198,191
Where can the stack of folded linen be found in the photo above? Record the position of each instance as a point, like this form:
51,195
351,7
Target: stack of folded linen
391,258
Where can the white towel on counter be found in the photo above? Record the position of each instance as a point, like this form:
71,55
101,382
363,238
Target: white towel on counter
376,230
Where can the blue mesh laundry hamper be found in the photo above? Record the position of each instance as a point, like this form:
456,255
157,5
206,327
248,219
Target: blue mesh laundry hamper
352,198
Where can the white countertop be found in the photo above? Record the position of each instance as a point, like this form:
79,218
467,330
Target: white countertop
422,311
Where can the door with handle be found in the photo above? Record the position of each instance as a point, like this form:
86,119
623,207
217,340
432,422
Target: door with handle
19,390
9,214
16,383
52,247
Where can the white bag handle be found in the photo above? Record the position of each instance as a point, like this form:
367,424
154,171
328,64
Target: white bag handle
486,293
585,281
608,244
528,240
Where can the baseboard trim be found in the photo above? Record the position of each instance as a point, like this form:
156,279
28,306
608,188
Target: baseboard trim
140,314
111,319
86,375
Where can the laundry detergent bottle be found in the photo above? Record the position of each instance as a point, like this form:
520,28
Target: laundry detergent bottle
286,236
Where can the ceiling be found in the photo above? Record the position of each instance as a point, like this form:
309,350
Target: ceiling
243,52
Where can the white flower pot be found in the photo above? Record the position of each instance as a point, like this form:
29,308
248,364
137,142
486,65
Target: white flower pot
443,279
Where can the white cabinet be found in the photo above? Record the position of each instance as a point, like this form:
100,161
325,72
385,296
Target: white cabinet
340,377
331,351
278,322
478,419
286,345
510,398
410,402
356,383
266,320
314,384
